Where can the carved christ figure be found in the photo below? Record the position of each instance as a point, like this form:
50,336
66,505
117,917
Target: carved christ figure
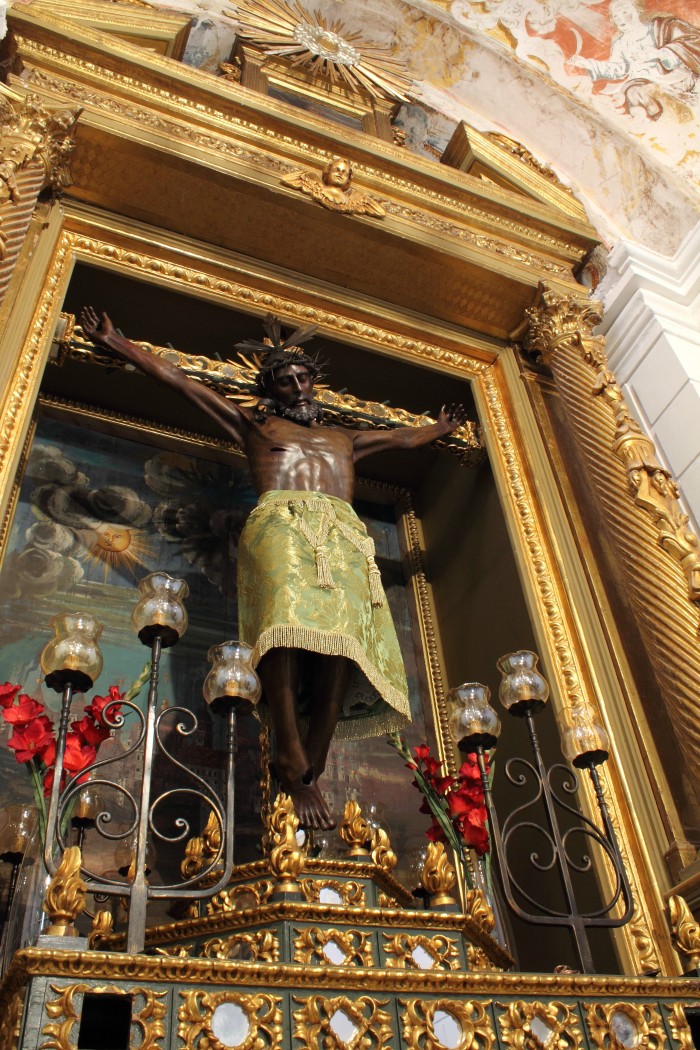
311,603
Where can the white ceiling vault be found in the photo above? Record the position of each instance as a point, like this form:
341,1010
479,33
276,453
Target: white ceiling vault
607,92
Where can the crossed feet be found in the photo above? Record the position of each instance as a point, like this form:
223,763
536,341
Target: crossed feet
309,804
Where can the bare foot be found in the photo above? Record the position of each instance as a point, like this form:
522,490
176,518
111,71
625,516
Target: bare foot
309,804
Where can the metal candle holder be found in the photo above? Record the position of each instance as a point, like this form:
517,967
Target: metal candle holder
160,621
524,692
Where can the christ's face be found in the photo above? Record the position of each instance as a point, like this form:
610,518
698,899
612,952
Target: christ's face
293,388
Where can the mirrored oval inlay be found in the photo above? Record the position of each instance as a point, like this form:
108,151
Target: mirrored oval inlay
624,1029
447,1029
334,953
343,1026
422,958
230,1024
300,836
542,1031
327,895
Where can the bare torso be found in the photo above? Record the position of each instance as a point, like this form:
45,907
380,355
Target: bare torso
283,454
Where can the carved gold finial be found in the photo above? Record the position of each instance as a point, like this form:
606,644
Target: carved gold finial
438,876
382,853
286,856
685,930
201,850
479,909
332,189
65,897
355,831
102,926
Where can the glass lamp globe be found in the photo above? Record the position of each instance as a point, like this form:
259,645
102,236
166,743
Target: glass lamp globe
522,687
584,742
160,612
474,723
232,679
73,656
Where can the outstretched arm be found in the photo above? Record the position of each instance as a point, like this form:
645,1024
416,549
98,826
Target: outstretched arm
101,330
367,442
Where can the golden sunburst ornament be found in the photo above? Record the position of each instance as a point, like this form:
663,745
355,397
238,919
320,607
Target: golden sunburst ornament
325,48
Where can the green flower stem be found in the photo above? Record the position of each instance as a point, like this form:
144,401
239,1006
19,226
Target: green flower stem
138,683
38,788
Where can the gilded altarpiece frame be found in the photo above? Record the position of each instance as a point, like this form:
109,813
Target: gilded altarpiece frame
565,630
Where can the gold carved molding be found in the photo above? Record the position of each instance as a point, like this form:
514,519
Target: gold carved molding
148,1010
351,893
261,946
680,1029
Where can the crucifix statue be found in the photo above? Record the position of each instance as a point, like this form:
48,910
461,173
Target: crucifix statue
311,602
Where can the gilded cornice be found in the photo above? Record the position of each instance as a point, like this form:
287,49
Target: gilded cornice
30,962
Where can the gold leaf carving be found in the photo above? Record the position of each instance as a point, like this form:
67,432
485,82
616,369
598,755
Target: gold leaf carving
322,190
102,925
680,1029
472,1018
478,909
148,1010
523,1024
611,1026
402,946
262,1013
286,856
65,896
240,898
355,831
351,893
685,930
479,960
438,877
382,853
311,943
372,1025
261,946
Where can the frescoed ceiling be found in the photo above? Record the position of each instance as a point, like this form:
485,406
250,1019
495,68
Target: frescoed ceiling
606,92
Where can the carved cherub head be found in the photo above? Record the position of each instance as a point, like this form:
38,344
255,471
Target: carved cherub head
337,173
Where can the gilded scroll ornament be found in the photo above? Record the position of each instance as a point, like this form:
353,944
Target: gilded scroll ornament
332,188
314,946
259,1020
438,877
540,1026
466,1020
382,853
201,850
479,960
286,856
102,926
479,909
177,951
408,952
147,1013
349,893
324,1022
325,49
355,831
680,1029
240,898
261,946
625,1026
685,931
65,896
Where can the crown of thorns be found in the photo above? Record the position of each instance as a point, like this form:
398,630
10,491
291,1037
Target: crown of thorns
275,352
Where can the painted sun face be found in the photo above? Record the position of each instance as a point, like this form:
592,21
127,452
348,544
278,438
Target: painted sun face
116,547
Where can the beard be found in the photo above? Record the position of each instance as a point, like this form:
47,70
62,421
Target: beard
305,413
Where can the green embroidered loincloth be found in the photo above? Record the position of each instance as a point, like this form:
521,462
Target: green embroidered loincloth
307,579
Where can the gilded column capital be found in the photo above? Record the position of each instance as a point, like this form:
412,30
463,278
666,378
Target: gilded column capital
32,131
556,322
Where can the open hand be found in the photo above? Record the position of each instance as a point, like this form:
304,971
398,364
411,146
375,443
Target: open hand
451,417
98,329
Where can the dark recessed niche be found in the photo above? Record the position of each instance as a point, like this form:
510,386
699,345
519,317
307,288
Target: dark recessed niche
105,1022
